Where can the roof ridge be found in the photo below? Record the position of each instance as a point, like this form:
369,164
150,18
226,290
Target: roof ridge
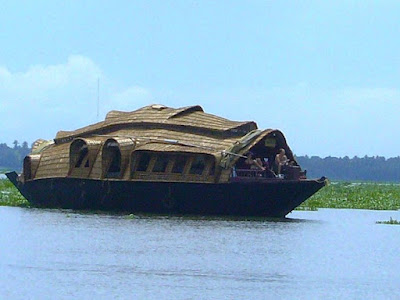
186,110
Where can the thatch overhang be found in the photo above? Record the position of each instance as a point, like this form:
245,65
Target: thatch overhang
240,148
92,145
124,145
30,165
82,155
177,148
164,137
162,159
187,119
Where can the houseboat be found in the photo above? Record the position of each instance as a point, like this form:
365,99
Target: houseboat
162,160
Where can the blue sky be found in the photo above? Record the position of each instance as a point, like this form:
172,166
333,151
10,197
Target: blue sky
326,73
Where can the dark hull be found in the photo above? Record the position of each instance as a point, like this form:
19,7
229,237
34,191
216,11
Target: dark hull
267,198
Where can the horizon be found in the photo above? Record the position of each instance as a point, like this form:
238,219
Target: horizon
326,74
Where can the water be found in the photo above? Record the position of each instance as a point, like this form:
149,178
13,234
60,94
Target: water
329,254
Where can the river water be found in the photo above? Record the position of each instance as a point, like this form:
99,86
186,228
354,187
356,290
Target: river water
327,254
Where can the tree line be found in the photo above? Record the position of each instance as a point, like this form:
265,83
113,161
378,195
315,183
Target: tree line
11,157
375,168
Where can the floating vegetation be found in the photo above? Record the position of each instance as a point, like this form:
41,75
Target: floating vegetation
3,171
307,208
9,195
376,196
131,216
391,222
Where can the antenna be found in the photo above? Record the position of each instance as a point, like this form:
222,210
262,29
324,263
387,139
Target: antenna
98,97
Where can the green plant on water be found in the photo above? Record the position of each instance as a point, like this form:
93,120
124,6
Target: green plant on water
390,222
10,196
375,196
307,208
131,216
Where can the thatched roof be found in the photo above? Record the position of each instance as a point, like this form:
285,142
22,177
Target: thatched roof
154,128
165,147
161,128
188,119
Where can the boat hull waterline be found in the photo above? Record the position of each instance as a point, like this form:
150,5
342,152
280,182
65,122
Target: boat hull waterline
274,198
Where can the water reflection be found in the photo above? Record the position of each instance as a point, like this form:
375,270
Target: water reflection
328,253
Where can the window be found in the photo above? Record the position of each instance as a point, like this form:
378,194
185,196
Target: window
112,159
198,165
179,164
83,152
161,163
115,166
81,157
143,163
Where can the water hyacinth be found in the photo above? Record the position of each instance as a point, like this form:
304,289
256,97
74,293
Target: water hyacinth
390,222
377,196
9,195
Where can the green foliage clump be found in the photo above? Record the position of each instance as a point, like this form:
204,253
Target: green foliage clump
10,196
375,196
390,222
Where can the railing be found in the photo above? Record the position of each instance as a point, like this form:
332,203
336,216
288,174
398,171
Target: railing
292,173
252,173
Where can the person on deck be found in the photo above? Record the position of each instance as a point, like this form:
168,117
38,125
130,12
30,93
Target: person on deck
254,163
281,160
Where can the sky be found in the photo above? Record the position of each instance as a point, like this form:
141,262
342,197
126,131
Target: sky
326,73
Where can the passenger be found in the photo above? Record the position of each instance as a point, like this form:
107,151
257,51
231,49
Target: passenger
254,163
281,160
269,173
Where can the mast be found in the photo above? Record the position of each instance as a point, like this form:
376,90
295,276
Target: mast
98,97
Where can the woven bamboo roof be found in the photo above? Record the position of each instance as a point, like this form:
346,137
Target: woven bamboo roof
164,147
157,128
180,141
191,118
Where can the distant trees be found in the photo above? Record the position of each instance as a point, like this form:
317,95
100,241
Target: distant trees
11,158
374,168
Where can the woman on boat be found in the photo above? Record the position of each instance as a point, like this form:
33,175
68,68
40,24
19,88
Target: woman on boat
254,163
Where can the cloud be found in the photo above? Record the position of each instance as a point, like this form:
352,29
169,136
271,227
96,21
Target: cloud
46,84
129,99
38,102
